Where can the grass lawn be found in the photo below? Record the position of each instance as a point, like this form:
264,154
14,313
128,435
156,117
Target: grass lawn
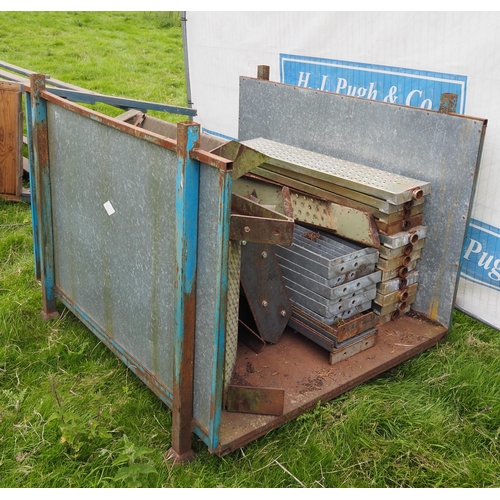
72,415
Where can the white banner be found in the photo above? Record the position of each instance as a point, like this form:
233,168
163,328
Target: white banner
406,58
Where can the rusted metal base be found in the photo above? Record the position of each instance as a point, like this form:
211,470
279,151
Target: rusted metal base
50,316
173,457
302,368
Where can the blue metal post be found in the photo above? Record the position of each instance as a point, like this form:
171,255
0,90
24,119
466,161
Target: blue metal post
33,204
43,195
186,217
222,235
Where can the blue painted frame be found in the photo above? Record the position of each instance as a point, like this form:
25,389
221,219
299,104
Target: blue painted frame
41,166
33,198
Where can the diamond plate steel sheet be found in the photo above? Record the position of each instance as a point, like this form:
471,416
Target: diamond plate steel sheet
396,189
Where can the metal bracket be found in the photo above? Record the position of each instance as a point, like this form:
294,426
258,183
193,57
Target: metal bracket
244,158
265,290
251,221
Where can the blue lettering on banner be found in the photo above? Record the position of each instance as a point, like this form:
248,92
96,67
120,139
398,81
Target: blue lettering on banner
410,87
481,254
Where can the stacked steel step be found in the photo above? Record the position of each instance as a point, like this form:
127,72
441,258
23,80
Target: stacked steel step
399,255
396,203
331,284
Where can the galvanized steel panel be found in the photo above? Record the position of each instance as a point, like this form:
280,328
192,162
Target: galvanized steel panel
211,249
438,148
117,268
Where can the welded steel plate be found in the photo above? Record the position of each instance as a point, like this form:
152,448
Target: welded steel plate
403,238
353,346
328,191
396,189
329,319
359,272
391,253
265,290
396,306
260,400
403,260
324,306
403,295
393,315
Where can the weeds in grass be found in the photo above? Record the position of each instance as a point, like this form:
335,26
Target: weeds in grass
134,473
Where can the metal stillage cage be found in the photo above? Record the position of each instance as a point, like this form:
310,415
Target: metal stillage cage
152,241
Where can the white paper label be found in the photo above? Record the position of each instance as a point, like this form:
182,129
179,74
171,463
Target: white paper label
109,208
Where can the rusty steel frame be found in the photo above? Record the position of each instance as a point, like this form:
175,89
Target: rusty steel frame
43,196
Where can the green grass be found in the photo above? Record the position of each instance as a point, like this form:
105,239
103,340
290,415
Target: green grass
137,55
72,415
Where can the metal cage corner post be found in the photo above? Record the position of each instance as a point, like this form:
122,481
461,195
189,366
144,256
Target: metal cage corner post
44,243
186,218
32,174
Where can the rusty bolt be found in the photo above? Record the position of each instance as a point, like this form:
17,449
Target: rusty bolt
246,229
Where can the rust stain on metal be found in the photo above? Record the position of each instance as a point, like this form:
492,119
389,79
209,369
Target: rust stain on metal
263,72
403,272
127,128
310,235
182,407
260,230
408,249
448,103
211,159
373,230
287,201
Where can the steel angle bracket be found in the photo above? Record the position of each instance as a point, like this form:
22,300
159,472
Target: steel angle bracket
265,291
251,221
268,194
243,157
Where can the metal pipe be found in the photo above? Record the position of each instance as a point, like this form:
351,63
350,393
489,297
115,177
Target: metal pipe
186,58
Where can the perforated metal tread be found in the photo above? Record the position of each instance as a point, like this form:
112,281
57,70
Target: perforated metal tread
394,188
